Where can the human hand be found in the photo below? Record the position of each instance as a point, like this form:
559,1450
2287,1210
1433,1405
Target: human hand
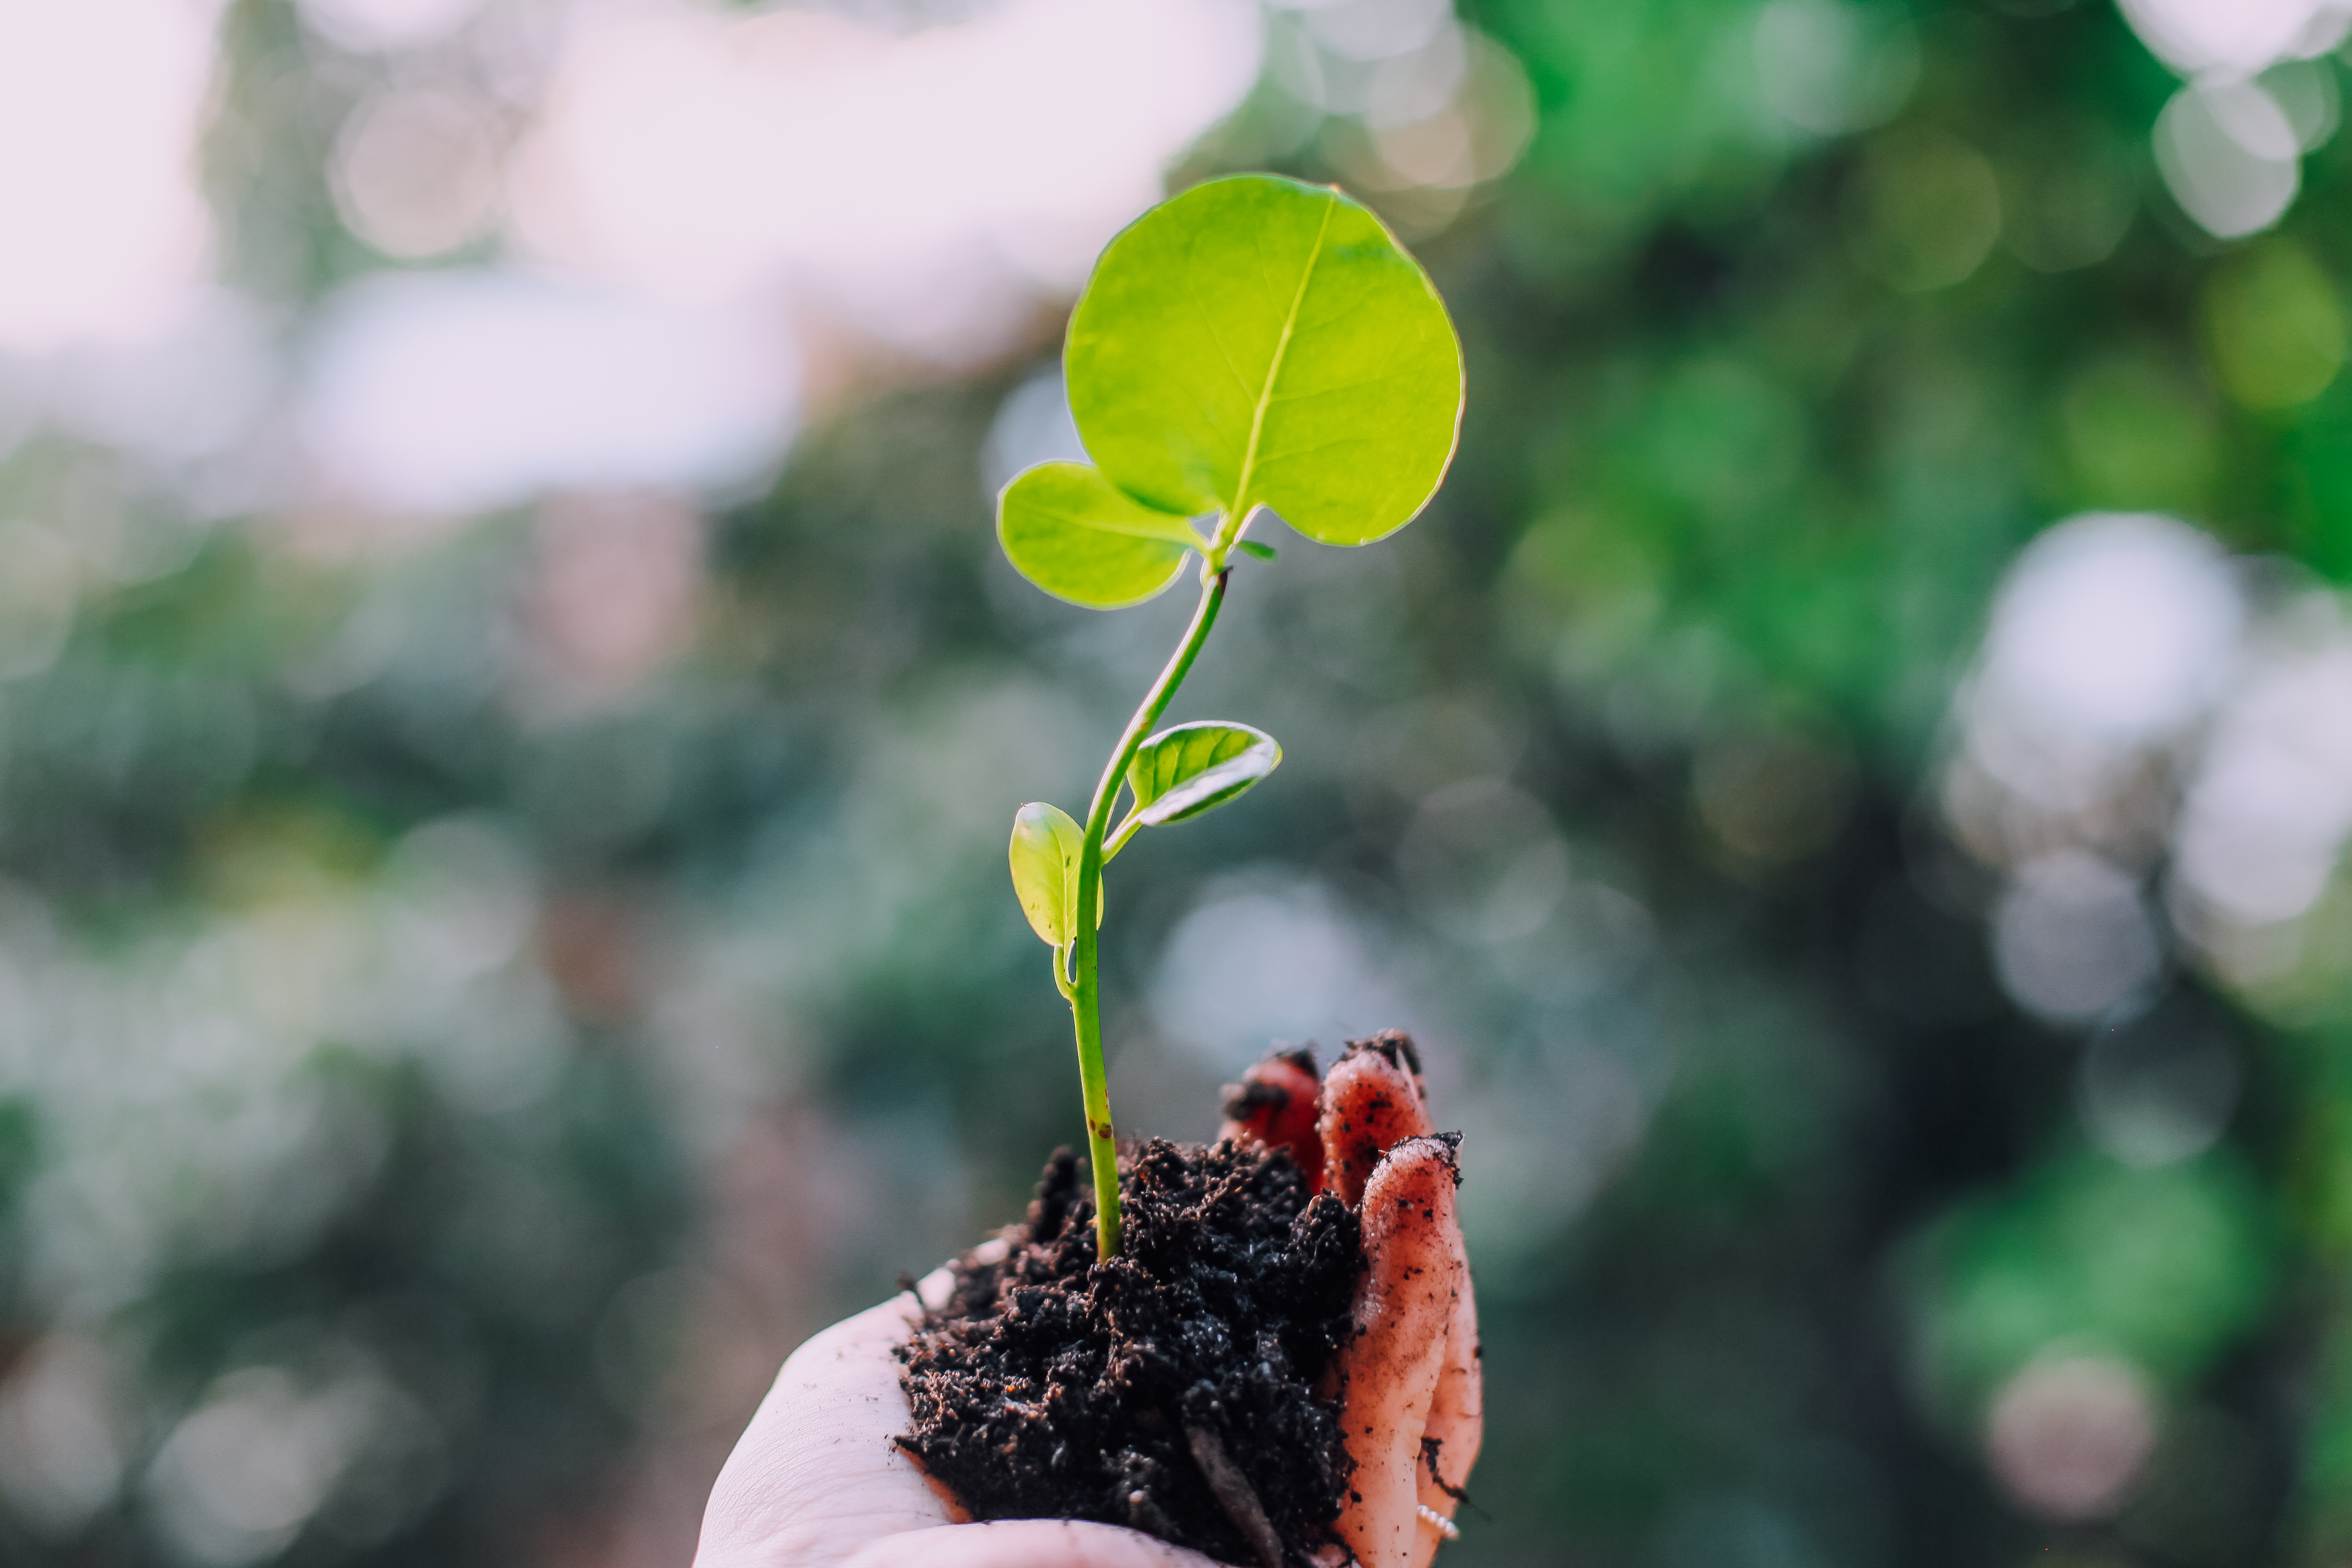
817,1481
1414,1402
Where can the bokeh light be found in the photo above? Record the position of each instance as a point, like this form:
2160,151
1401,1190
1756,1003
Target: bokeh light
449,392
2069,1435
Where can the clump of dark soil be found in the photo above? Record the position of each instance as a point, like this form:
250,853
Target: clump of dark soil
1172,1390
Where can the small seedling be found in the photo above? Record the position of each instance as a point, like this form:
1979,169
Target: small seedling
1254,345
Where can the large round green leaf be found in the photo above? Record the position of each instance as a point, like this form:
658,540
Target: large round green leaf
1257,341
1080,538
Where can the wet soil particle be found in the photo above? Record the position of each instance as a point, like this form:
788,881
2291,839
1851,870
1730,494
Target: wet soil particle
1169,1390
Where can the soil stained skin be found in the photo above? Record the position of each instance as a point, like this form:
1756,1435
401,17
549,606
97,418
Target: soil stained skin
1049,1388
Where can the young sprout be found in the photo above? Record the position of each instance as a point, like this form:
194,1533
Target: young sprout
1252,345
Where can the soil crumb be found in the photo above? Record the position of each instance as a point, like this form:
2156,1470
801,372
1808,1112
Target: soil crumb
1052,1387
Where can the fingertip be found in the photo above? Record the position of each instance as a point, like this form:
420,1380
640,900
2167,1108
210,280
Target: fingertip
1410,1193
1370,1104
1277,1105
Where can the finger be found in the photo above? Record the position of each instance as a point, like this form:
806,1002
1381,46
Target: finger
1457,1410
1372,1102
1025,1544
1276,1104
1403,1305
816,1475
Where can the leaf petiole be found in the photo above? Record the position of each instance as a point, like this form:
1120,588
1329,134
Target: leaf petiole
1118,841
1226,537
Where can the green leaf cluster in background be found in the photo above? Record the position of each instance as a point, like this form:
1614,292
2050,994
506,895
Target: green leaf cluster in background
2163,1266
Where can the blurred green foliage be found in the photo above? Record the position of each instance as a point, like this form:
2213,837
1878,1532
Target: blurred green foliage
2165,1267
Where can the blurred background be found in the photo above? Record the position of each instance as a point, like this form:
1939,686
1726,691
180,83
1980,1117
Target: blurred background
511,709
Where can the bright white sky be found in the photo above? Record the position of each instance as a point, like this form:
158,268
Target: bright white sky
100,102
445,391
687,168
923,189
683,166
640,169
688,153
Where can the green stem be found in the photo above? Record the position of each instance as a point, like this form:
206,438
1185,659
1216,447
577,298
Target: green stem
1084,989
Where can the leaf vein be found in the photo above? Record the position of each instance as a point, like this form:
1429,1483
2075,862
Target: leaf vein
1274,370
1288,453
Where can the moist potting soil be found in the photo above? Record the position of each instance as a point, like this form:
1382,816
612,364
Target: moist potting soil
1173,1389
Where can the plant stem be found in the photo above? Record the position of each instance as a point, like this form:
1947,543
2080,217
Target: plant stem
1086,989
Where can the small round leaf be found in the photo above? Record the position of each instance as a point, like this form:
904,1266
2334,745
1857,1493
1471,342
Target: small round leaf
1192,768
1069,530
1045,853
1256,341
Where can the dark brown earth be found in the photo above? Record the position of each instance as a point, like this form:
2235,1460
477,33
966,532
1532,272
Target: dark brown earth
1135,1393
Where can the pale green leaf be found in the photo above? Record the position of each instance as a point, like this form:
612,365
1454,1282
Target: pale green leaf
1192,768
1076,536
1257,341
1045,845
